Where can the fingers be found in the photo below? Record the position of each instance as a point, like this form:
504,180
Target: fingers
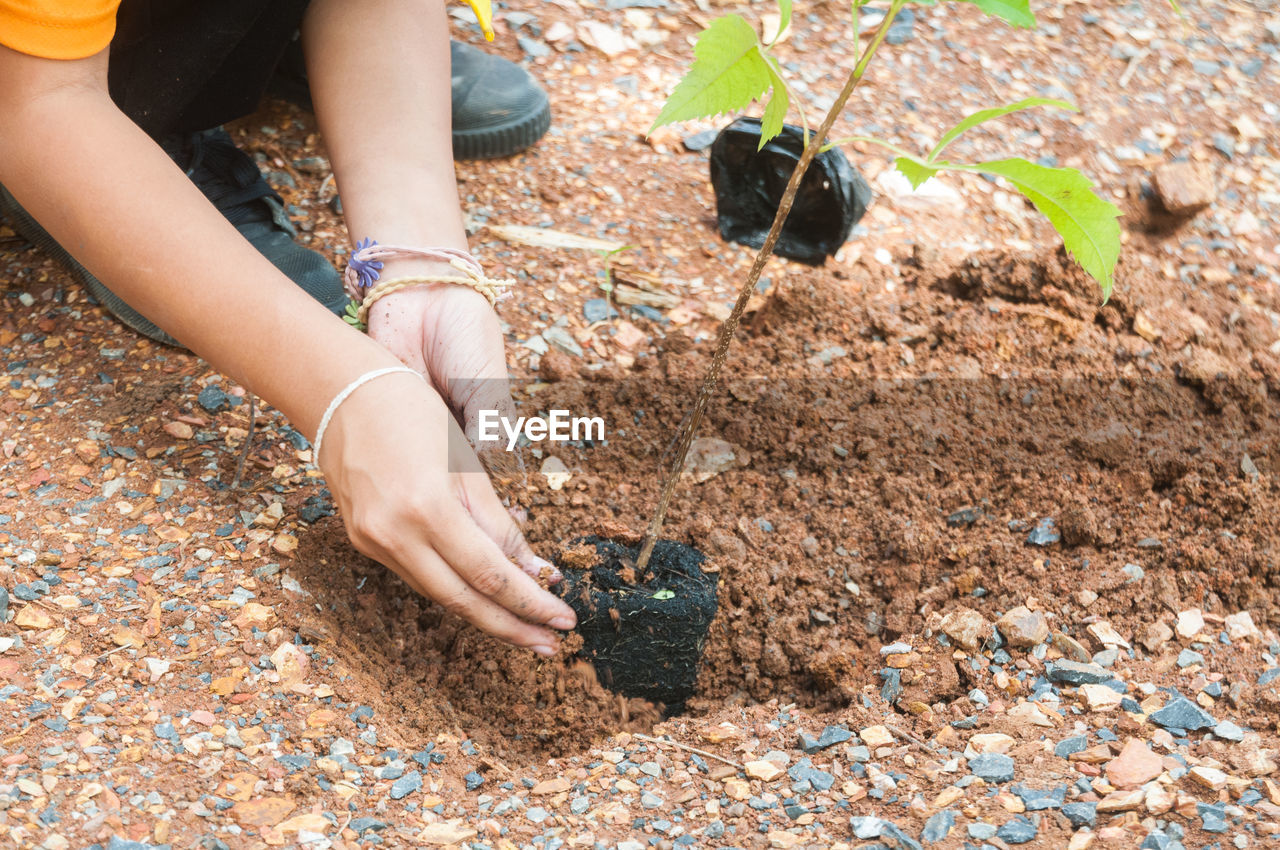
482,563
436,580
500,525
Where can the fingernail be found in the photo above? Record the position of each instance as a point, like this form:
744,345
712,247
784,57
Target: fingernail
563,622
541,564
544,650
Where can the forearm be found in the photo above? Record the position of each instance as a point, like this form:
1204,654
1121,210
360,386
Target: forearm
380,80
112,197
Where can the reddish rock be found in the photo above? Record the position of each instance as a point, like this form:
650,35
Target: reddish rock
1136,765
1183,188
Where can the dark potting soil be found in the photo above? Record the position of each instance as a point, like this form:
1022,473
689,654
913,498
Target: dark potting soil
644,638
750,180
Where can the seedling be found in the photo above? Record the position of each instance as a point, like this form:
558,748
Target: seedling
733,67
608,286
644,625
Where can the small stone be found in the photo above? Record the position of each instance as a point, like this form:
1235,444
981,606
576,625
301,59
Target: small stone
551,786
213,399
1240,626
1023,628
804,771
1156,635
1159,799
555,471
1045,533
270,517
1229,731
1190,623
938,827
1184,188
1189,658
474,780
1067,746
32,617
991,742
1136,765
406,785
1182,713
1082,840
992,767
981,831
1081,814
1071,648
1107,658
651,801
831,735
967,628
876,736
696,142
1075,673
446,833
267,811
1122,801
1209,777
765,771
1105,636
598,310
1099,697
1020,830
1040,799
964,517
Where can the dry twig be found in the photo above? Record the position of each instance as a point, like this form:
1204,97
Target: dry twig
679,746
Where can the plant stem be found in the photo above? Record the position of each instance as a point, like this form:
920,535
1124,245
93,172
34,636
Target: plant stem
730,326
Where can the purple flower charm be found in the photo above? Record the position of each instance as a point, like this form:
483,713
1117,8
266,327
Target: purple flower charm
366,270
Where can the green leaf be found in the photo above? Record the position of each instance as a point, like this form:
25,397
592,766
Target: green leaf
1016,12
665,593
1088,224
775,112
915,171
728,72
995,112
784,13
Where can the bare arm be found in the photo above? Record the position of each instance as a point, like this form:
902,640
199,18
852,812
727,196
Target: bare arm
380,80
112,197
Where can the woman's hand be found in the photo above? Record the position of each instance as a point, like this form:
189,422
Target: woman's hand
450,334
414,497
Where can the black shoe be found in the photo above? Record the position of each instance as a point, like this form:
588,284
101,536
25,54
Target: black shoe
231,180
498,108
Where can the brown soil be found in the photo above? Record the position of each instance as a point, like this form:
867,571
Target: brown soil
1027,402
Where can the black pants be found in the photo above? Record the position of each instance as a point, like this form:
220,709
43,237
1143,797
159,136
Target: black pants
178,66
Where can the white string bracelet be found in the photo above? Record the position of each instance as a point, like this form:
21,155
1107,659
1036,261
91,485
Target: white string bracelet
343,396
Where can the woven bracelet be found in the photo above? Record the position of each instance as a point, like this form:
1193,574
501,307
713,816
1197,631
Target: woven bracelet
364,284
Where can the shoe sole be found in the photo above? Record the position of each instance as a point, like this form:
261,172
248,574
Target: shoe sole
503,140
27,227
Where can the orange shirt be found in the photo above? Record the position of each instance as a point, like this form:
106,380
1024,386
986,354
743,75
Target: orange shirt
80,28
75,29
57,29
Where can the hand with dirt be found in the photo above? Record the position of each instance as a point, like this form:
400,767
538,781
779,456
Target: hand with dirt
415,498
450,334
